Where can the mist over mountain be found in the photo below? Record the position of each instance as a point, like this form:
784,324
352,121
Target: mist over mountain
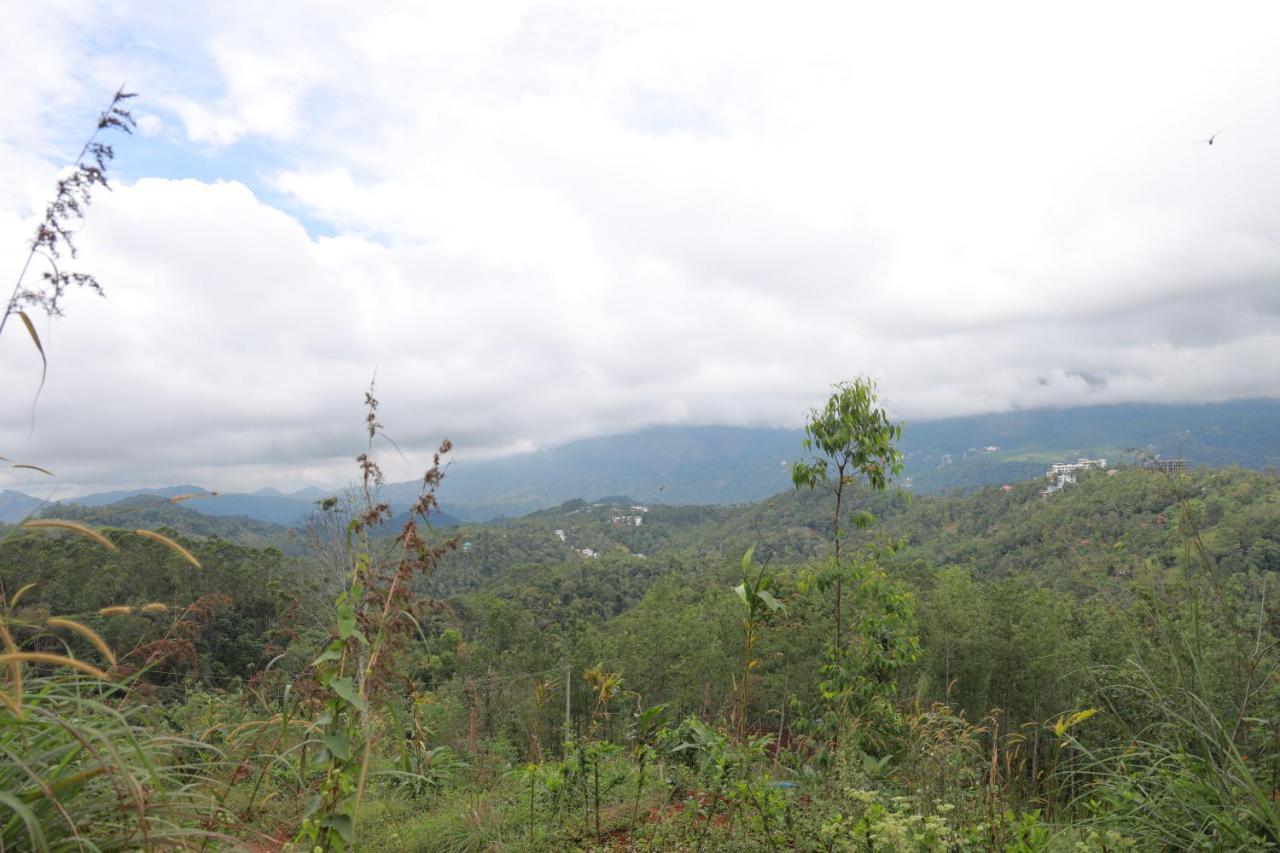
717,465
726,465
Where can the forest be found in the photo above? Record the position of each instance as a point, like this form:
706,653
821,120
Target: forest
840,667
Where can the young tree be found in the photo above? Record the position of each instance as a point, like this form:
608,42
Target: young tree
758,604
856,442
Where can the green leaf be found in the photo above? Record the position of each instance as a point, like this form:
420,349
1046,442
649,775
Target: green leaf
772,603
741,590
34,832
347,624
341,824
313,806
346,691
332,652
339,745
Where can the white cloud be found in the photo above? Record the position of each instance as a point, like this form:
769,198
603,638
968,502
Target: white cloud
555,220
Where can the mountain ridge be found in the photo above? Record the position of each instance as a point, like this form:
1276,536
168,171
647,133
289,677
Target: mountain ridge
728,465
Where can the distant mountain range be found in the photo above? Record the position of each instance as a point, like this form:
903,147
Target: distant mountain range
263,505
719,465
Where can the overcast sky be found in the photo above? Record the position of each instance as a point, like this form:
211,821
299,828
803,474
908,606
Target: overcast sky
544,221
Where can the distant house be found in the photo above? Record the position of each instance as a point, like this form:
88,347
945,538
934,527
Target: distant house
560,534
1006,488
1176,467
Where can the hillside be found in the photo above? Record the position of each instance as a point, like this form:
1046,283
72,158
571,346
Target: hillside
152,511
1107,523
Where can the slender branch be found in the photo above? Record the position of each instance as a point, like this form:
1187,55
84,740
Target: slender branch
73,195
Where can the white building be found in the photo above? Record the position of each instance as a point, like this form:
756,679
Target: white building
1063,473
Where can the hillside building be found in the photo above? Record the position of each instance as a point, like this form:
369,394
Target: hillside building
1176,467
1062,473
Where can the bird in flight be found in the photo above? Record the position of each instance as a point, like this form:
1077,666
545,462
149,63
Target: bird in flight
662,488
1209,141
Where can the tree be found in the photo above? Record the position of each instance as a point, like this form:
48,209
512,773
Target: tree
857,442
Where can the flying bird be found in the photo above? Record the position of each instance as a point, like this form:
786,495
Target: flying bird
1208,141
662,488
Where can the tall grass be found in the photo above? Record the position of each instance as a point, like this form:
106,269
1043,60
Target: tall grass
79,773
1188,699
82,766
1182,782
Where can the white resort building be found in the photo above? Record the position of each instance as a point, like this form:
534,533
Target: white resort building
1062,473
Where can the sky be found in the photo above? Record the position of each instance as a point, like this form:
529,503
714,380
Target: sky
537,222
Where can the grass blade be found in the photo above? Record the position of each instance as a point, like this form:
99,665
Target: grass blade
73,526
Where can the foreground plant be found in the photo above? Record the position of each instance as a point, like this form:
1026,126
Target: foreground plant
376,616
856,442
53,240
758,605
82,767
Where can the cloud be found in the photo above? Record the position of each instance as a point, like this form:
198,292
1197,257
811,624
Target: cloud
540,222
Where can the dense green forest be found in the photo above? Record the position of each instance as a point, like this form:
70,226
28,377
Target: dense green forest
1094,669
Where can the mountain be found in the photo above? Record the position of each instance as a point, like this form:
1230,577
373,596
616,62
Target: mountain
991,449
15,506
151,511
104,498
733,465
310,493
264,505
720,465
278,509
684,465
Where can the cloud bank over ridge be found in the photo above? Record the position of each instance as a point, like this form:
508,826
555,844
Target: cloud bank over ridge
546,221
